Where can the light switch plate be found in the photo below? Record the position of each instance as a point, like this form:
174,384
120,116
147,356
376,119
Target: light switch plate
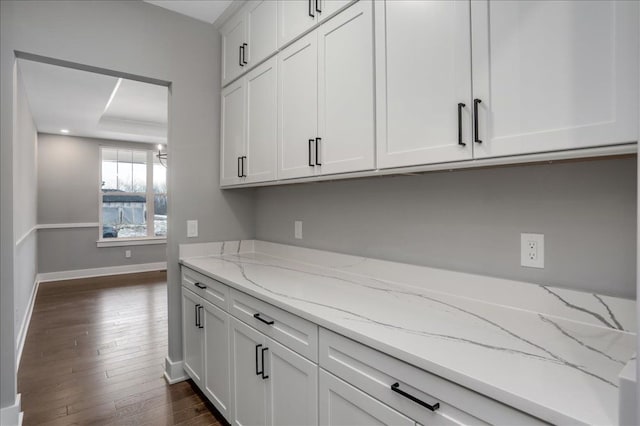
298,229
532,250
192,228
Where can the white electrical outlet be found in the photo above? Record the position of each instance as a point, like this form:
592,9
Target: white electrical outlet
297,229
127,254
532,250
192,228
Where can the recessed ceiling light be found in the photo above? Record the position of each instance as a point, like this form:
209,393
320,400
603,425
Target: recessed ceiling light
64,130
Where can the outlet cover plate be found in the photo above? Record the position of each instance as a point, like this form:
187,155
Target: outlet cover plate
532,250
192,228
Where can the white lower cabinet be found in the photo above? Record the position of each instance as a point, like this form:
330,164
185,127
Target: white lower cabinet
343,404
216,357
192,335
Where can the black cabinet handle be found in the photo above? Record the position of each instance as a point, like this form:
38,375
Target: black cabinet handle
244,53
200,316
258,317
200,285
396,388
264,376
240,55
310,150
239,161
460,106
258,372
311,9
318,6
476,139
195,308
318,140
242,167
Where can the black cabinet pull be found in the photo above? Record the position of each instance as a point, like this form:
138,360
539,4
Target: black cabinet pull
310,150
242,168
396,388
200,285
240,55
239,161
460,106
195,308
264,376
200,316
258,372
311,9
258,317
318,6
476,139
318,140
244,53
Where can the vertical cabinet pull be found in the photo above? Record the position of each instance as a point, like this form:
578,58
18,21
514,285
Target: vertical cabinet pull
310,151
460,106
476,102
244,53
264,376
258,372
396,388
240,55
195,308
242,167
311,9
200,309
239,165
318,140
318,6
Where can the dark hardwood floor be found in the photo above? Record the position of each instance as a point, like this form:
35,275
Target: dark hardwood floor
95,353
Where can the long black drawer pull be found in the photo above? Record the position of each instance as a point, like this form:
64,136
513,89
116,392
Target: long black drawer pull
460,106
318,140
258,317
258,372
310,151
200,309
396,388
476,102
200,285
264,376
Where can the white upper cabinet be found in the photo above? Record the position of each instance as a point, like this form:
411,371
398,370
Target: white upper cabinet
298,108
423,82
232,134
294,18
345,92
554,75
328,8
248,37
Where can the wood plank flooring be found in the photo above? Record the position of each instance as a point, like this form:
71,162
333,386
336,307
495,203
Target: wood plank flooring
95,353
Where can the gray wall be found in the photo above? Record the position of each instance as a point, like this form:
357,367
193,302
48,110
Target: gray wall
139,39
471,220
68,174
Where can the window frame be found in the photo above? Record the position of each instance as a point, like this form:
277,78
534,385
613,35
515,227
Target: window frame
149,194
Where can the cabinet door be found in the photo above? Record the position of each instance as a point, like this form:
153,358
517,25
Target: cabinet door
192,335
423,72
232,133
330,7
248,387
554,75
233,36
262,122
298,107
345,90
294,18
342,404
262,30
216,350
292,387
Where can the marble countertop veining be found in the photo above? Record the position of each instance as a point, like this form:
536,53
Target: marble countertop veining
556,357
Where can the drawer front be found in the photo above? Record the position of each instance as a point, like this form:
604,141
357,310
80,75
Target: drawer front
375,372
206,287
292,331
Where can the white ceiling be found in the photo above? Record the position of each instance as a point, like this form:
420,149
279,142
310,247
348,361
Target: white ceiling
203,10
94,105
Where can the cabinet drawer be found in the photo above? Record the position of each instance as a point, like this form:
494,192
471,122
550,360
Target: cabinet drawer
206,287
375,372
292,331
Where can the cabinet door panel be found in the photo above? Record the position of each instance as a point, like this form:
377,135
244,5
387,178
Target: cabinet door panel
262,30
330,7
216,346
424,71
292,390
248,390
233,35
342,404
294,18
192,336
298,106
231,132
262,122
345,89
554,75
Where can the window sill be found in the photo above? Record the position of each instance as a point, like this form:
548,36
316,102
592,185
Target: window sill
115,242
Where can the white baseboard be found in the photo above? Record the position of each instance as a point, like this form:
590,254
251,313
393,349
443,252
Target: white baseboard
101,272
174,371
26,320
11,415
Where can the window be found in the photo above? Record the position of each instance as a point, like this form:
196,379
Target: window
133,194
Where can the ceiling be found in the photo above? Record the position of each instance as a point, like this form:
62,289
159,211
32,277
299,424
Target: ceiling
94,105
203,10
